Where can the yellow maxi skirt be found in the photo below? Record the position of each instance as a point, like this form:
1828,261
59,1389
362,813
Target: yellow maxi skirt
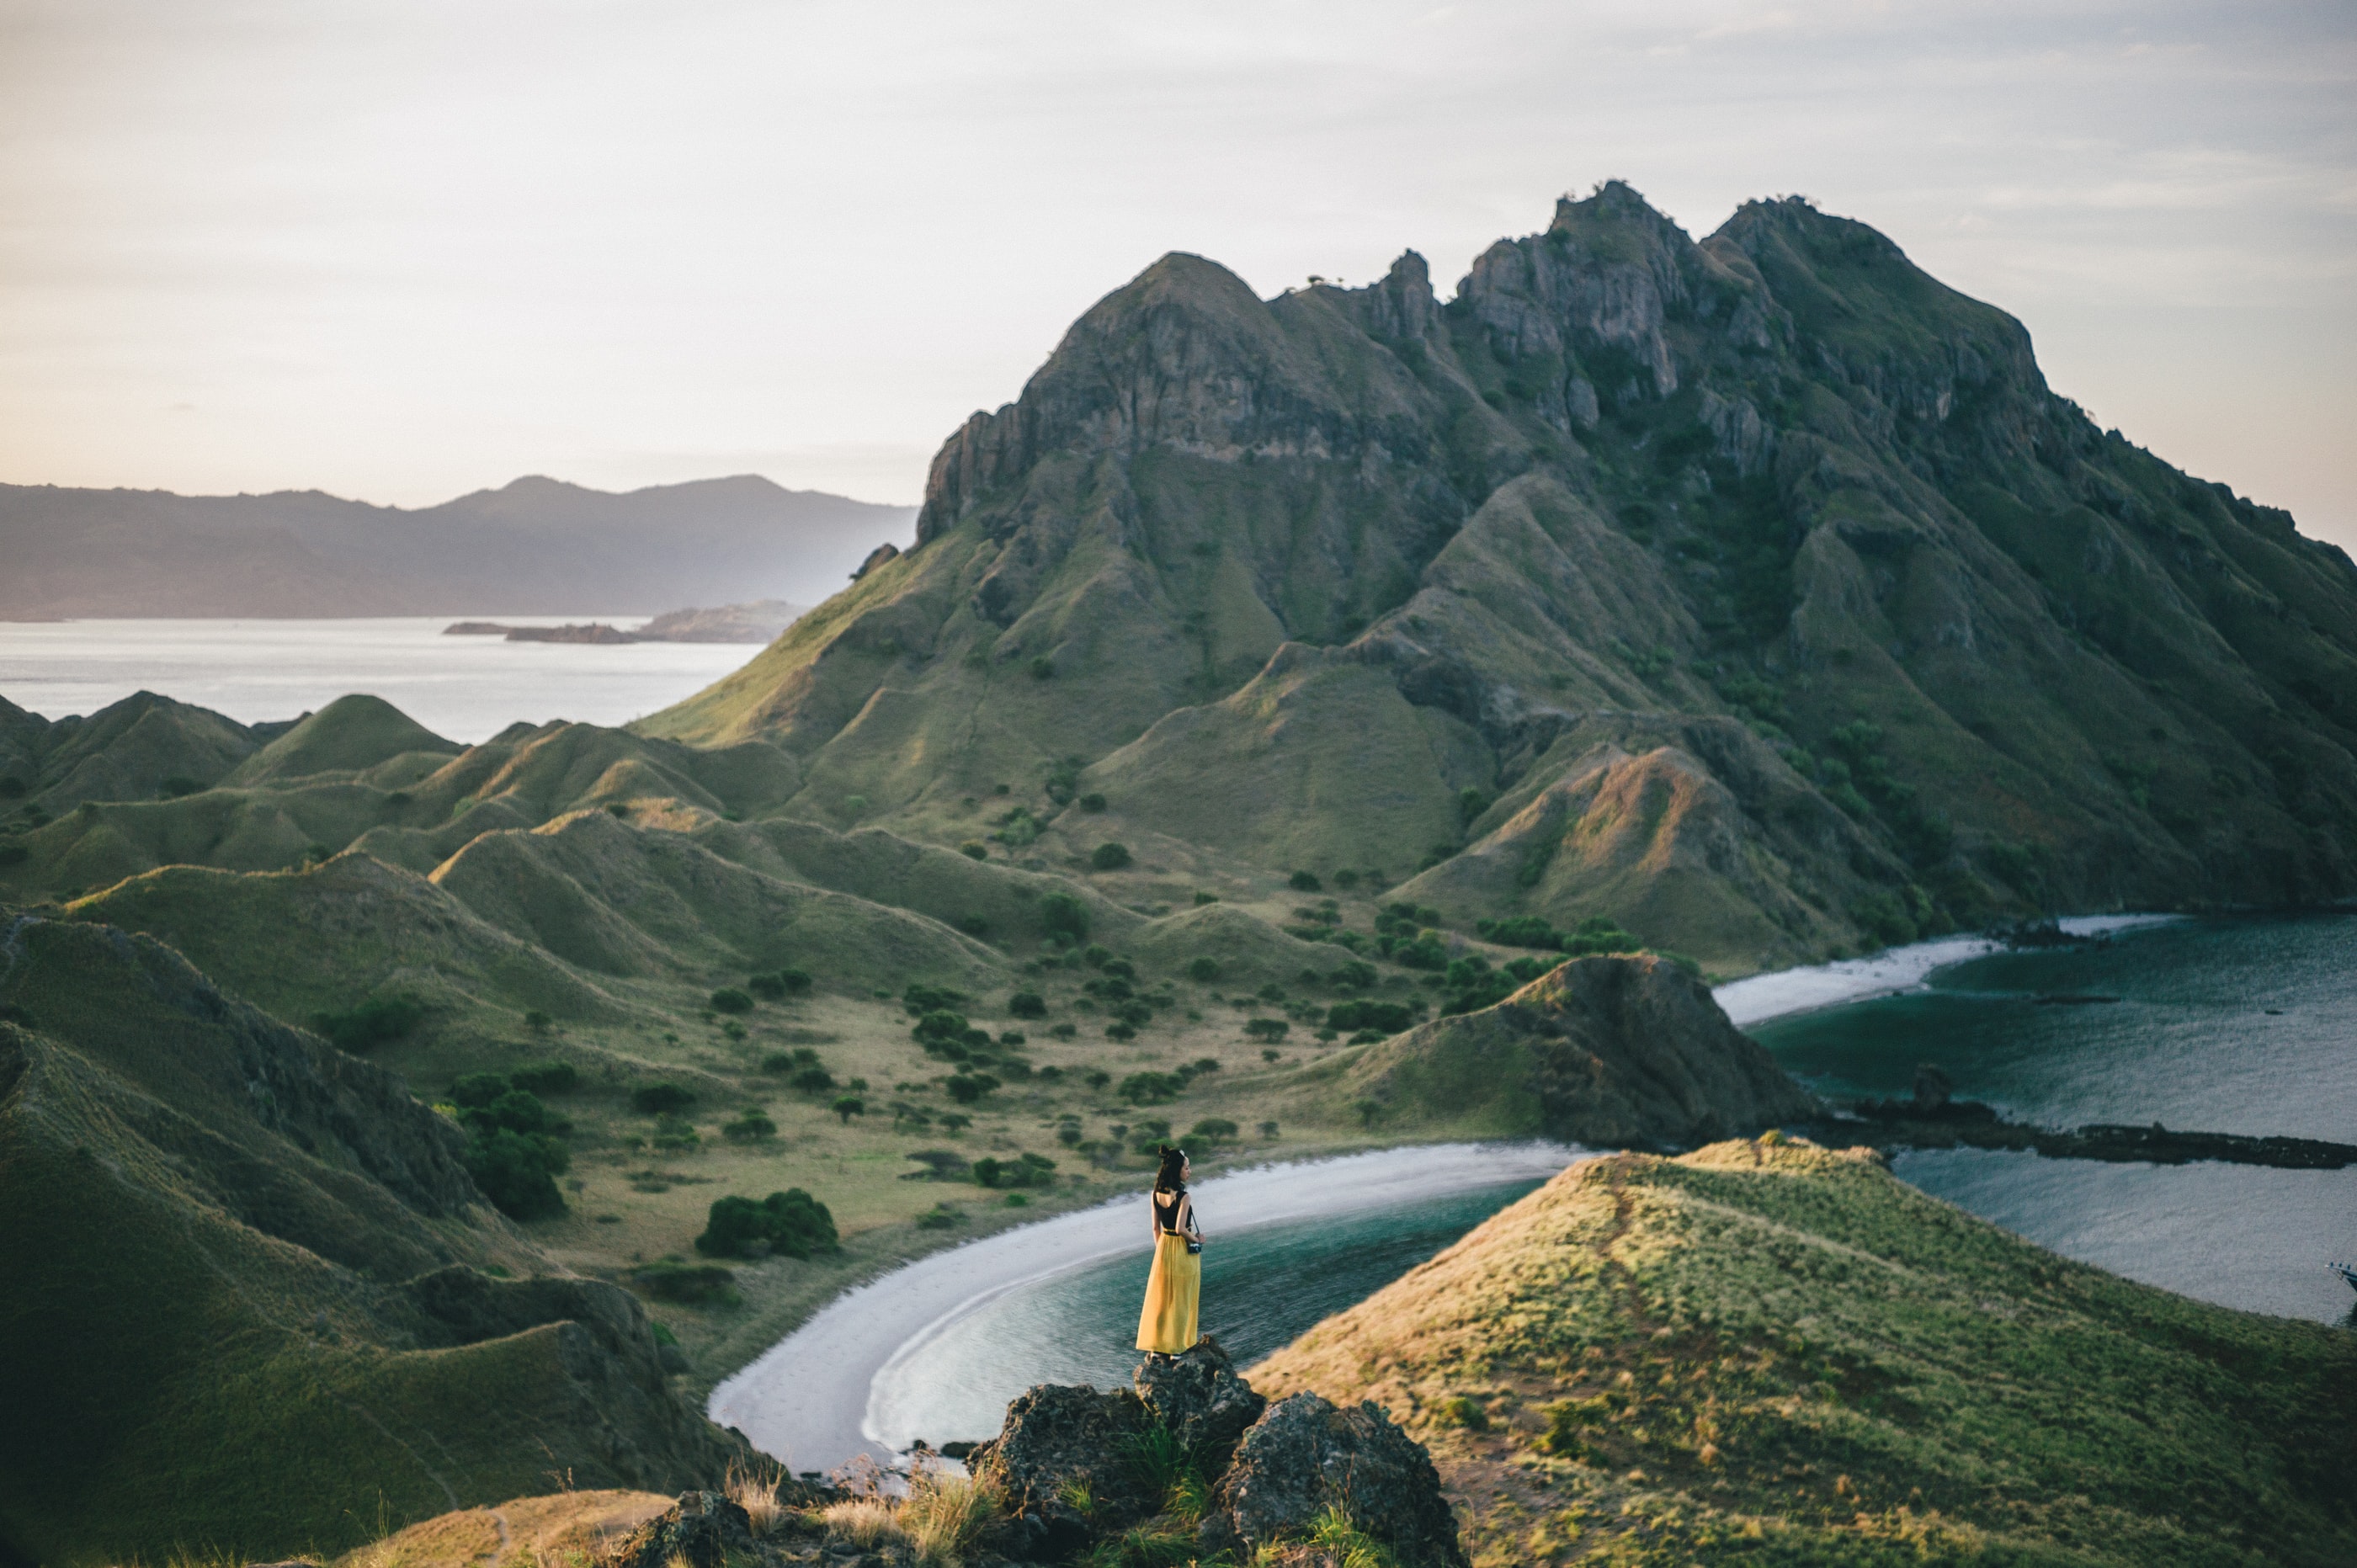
1173,1292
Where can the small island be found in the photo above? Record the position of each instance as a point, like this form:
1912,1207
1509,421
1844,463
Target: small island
760,621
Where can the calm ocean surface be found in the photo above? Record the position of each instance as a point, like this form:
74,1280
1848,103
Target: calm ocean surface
463,688
2243,1024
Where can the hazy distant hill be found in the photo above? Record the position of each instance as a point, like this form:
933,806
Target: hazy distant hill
534,547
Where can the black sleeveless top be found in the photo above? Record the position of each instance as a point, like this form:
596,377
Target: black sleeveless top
1166,1210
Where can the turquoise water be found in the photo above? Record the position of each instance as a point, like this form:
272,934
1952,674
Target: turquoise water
2243,1024
1262,1289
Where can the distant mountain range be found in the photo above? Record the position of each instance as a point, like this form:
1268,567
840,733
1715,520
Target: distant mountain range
536,546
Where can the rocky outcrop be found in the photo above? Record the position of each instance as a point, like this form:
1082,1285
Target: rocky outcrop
1306,1457
703,1529
1064,1467
1613,1051
1200,1400
1200,1463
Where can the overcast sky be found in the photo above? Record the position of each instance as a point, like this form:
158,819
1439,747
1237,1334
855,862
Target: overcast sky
405,249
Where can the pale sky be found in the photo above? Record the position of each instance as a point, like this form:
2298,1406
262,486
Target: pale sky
406,249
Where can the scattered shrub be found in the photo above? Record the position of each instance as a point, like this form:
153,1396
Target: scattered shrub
778,984
728,999
753,1126
1388,1017
1119,1030
1203,968
1203,899
536,1021
847,1106
940,1164
974,849
1096,1077
517,1172
1304,882
546,1078
791,1222
1266,1028
1030,1170
372,1023
1042,668
1214,1130
1062,914
941,1216
1092,803
1468,1413
1062,1031
1470,803
965,1088
656,1098
1151,1088
177,785
1109,857
1027,1004
13,854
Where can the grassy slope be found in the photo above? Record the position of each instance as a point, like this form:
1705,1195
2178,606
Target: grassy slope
1775,1353
210,1307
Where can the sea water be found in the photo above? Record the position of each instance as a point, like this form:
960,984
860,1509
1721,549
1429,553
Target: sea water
2228,1025
466,688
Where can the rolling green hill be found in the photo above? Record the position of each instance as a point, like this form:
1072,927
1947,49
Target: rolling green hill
1768,1353
1756,593
257,1303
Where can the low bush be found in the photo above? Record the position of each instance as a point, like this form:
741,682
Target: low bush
372,1023
965,1088
1119,1030
1387,1017
546,1078
974,849
517,1171
729,999
1151,1088
922,999
753,1126
1092,803
1266,1028
941,1216
1304,882
1214,1130
1027,1004
1204,969
779,984
655,1098
791,1222
1109,857
1029,1170
847,1106
813,1079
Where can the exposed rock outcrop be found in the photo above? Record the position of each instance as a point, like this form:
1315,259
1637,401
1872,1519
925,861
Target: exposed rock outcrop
1200,1400
1197,1461
1306,1457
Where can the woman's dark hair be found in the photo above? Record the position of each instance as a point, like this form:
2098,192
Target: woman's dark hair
1171,1178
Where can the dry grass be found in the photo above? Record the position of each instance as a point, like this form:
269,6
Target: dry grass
943,1513
866,1523
756,1494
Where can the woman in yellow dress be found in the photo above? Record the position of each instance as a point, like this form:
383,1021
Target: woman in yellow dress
1174,1290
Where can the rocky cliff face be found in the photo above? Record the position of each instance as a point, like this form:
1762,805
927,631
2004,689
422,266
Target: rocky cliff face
1285,579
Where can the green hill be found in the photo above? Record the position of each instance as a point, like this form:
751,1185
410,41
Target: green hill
258,1305
1765,1353
1890,637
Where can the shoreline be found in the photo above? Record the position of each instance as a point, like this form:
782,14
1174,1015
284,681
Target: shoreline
806,1399
1781,993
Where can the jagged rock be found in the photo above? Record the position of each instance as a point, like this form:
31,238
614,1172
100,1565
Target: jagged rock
1198,1396
1059,1443
1306,1456
702,1529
